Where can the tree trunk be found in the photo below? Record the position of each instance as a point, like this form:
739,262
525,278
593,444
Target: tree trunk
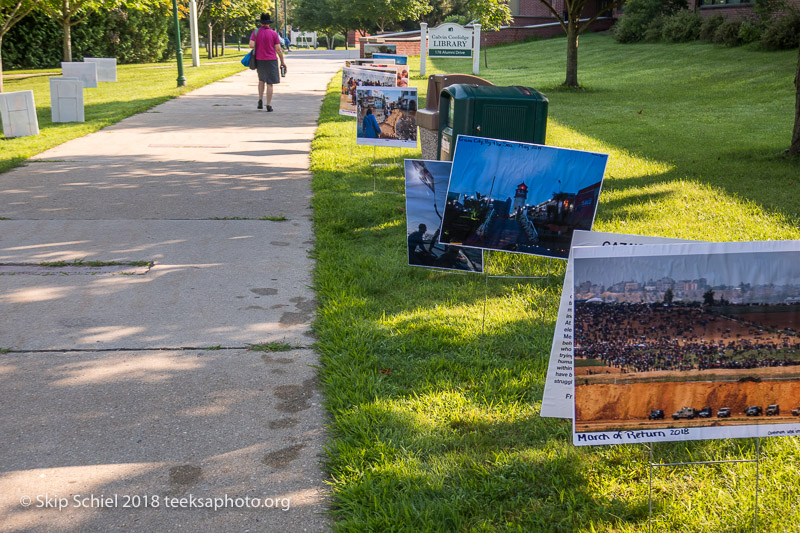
210,41
572,53
222,52
67,39
1,63
794,149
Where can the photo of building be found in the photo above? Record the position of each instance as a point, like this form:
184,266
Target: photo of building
520,197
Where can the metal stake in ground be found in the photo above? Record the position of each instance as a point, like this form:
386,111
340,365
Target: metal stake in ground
728,461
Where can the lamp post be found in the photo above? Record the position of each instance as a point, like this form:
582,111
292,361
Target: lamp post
178,50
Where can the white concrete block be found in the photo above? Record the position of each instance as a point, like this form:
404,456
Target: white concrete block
66,100
106,67
18,113
86,72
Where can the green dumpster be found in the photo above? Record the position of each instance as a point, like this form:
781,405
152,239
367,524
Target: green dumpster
510,113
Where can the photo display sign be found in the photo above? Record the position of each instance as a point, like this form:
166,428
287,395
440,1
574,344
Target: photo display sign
380,48
677,342
387,116
362,62
352,78
450,40
397,59
401,70
557,401
519,197
426,193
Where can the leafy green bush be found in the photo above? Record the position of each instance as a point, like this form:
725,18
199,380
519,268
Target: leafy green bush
709,27
640,16
132,36
458,19
783,31
653,32
750,31
683,26
728,33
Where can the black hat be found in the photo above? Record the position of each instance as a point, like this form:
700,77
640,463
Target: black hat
265,19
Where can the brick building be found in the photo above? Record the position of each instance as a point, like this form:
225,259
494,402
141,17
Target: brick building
533,18
732,9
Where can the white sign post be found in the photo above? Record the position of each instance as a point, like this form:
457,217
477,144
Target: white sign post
86,72
18,113
193,33
476,49
106,67
66,100
423,46
450,40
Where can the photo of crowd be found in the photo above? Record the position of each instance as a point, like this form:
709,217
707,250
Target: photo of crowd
352,78
387,116
401,70
685,329
655,337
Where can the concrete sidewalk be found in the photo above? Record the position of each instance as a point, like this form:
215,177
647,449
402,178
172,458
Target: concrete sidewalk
137,387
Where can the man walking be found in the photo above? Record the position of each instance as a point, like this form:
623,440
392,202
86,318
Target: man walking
266,44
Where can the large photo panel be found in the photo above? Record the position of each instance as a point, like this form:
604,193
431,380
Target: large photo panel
519,197
426,193
352,78
557,400
686,342
387,116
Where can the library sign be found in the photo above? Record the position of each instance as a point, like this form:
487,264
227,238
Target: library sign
450,40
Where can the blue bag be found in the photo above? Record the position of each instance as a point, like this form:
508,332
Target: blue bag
246,59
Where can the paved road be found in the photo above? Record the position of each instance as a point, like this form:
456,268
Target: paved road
135,384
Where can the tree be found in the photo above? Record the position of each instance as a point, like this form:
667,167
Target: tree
70,13
573,28
668,296
708,298
382,13
11,12
492,15
441,9
794,149
315,15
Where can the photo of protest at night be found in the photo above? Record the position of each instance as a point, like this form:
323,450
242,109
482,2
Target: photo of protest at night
426,191
685,338
387,116
519,197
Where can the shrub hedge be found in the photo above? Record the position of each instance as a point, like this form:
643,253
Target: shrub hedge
130,35
653,20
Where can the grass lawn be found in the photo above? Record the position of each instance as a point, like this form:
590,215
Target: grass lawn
139,87
434,409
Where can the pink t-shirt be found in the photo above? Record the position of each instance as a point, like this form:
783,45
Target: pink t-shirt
267,41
